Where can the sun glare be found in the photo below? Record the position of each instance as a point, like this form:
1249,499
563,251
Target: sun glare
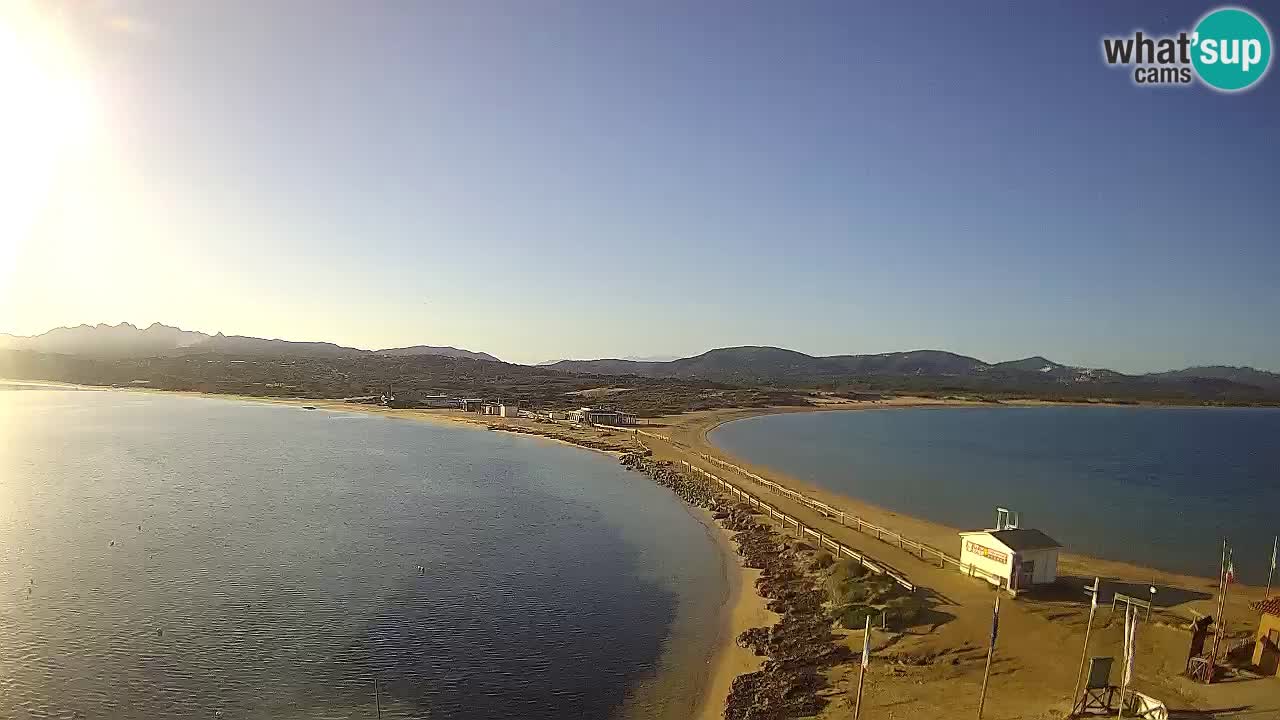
47,115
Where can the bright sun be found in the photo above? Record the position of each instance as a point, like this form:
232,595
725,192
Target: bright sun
47,115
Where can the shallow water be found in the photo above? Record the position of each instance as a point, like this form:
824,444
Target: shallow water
182,557
1159,487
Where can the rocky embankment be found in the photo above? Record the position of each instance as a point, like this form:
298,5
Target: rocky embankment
667,474
801,645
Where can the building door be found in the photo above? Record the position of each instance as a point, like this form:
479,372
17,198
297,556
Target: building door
1269,661
1026,574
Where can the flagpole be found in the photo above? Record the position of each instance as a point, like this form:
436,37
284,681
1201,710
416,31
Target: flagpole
1223,582
986,674
1084,655
862,668
1124,674
1274,547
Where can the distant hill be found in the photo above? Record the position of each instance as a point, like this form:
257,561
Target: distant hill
104,340
1031,364
445,351
756,364
1244,375
941,372
126,340
241,345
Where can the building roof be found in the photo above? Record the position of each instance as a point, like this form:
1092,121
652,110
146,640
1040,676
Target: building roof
1018,539
1268,607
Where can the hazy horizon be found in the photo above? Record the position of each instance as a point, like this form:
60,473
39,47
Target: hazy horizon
818,178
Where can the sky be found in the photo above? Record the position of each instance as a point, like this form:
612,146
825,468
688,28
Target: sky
558,179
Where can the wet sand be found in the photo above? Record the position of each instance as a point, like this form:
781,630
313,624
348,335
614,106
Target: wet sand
743,610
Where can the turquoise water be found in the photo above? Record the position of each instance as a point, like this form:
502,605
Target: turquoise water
1159,487
182,557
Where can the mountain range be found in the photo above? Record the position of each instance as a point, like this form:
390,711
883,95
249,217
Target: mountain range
754,365
747,366
127,340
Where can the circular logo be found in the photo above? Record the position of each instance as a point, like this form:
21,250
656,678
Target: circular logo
1231,49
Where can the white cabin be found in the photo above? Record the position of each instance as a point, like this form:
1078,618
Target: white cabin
1020,558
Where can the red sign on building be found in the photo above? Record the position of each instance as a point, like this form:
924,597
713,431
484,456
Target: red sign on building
986,552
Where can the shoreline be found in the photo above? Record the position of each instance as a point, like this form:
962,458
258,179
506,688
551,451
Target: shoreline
866,508
742,610
693,430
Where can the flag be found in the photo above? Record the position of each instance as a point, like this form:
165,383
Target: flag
1093,603
866,645
1231,569
995,622
1274,546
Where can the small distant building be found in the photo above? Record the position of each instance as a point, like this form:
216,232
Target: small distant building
557,415
439,401
489,408
474,405
1266,651
1020,558
601,416
509,410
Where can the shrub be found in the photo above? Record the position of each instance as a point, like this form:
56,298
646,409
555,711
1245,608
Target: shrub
882,588
904,612
847,568
822,561
854,616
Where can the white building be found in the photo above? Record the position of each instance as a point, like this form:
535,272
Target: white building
601,416
1020,558
439,401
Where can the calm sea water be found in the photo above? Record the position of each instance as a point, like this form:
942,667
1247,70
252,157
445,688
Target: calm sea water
164,556
1158,487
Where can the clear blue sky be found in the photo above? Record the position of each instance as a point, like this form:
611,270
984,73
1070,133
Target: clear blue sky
830,177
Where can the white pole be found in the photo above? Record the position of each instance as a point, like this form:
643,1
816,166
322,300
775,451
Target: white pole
1084,656
1275,546
862,669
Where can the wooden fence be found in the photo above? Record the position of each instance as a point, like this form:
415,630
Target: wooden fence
802,530
926,553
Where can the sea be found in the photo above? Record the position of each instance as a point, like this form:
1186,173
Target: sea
167,556
1156,487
